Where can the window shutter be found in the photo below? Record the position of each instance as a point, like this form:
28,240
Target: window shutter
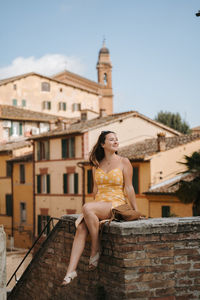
38,151
75,183
64,106
11,129
65,186
46,149
20,128
48,183
89,181
79,106
135,179
9,208
39,224
165,211
39,184
64,148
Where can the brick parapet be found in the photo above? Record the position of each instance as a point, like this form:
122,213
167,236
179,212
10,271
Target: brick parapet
146,259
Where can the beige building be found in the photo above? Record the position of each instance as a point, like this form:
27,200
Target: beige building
156,164
62,181
65,94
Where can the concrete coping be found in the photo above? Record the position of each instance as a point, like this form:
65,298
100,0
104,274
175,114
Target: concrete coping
148,226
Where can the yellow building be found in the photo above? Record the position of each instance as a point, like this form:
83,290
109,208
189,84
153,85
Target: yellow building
63,183
156,165
7,152
23,206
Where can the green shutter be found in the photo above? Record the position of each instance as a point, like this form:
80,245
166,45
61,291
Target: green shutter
65,187
135,179
75,183
48,183
38,150
39,224
9,205
20,129
39,184
165,211
11,129
46,149
64,106
89,181
64,148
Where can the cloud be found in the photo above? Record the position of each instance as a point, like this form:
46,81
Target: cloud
48,65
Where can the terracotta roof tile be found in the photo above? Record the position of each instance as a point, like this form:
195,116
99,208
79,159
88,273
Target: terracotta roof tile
16,113
142,150
172,187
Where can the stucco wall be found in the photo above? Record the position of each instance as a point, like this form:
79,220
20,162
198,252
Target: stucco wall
2,264
29,88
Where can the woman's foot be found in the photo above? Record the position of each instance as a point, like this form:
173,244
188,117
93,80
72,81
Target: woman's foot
94,260
68,278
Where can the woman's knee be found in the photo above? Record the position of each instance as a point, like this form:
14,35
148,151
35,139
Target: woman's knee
86,208
82,228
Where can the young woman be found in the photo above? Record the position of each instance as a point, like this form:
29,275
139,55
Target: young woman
112,176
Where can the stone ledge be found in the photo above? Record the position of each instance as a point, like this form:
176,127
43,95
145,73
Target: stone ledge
148,226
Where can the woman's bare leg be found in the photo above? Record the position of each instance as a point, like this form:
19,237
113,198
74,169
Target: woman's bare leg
93,212
78,246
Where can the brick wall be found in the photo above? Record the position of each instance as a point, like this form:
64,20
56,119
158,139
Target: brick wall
2,264
147,259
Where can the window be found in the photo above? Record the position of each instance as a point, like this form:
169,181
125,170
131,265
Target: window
14,102
43,150
45,86
43,184
8,169
62,106
22,173
46,105
23,103
135,179
42,222
22,212
165,211
84,116
16,129
61,90
68,148
76,106
9,205
14,86
70,183
105,78
89,182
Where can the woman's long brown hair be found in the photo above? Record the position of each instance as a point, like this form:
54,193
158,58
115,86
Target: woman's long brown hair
97,153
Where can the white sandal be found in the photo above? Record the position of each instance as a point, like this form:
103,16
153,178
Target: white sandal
68,278
94,260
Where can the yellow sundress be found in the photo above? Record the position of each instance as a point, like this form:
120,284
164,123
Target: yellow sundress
110,186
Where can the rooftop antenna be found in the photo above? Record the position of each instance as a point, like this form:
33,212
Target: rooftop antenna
104,41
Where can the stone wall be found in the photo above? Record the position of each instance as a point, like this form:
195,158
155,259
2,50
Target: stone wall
146,259
2,264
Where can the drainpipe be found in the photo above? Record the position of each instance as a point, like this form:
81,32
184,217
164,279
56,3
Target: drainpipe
81,165
33,164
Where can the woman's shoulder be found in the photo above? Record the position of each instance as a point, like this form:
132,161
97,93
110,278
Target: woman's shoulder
124,160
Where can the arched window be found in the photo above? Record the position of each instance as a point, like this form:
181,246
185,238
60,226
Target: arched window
105,78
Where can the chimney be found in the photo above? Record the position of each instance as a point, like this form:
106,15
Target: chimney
161,141
102,113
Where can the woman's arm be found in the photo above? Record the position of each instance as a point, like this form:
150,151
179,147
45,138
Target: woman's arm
95,189
128,186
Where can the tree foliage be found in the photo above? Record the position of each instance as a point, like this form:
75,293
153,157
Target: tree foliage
189,191
173,120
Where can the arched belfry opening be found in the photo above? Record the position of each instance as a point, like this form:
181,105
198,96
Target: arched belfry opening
104,74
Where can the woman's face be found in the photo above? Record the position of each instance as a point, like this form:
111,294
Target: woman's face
111,142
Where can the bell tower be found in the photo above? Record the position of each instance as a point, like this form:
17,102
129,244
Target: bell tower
104,72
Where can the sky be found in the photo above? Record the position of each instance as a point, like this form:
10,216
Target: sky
154,48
